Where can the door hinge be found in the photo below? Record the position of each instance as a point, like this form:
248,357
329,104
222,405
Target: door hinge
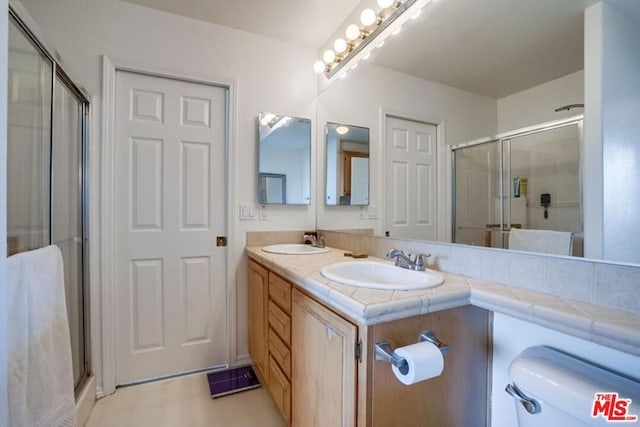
221,240
358,351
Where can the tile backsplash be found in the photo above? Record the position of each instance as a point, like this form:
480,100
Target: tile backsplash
592,281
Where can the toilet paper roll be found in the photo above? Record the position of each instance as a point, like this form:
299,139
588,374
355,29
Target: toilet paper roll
424,361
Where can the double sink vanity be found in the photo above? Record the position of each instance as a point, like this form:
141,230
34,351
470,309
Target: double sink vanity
315,315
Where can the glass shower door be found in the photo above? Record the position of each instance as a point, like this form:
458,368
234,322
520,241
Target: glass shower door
67,229
477,206
528,180
46,164
542,182
28,143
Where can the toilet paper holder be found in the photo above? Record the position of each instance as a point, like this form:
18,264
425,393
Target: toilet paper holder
383,351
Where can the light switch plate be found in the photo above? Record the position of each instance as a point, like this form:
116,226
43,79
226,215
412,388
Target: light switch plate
247,212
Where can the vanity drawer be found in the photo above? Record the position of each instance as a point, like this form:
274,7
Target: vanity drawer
280,352
280,322
280,292
280,389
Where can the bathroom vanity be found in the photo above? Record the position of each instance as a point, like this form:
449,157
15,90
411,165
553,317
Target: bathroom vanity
316,356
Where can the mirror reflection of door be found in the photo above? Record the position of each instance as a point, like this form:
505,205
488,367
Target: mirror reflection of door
359,180
347,152
349,159
410,179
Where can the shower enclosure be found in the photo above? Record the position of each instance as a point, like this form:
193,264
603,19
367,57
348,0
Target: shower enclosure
46,173
524,179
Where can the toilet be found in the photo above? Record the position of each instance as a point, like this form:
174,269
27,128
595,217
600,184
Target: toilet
551,389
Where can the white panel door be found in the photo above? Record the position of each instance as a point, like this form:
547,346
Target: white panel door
410,193
170,206
359,180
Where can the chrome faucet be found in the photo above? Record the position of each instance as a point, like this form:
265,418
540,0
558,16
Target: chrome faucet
404,261
314,240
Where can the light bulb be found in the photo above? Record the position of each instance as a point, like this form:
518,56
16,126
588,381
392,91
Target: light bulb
353,32
385,3
267,118
339,45
396,31
328,56
367,17
318,66
342,130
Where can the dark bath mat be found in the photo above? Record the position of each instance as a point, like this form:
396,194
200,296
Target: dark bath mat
233,380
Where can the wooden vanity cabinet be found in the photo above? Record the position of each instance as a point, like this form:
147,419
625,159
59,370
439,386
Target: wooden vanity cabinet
269,306
320,368
456,398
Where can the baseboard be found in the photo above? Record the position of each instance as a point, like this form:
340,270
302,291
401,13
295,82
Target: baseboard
86,401
243,359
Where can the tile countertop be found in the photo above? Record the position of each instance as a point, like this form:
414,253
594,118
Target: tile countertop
610,327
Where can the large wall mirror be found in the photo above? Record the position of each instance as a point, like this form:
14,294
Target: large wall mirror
284,164
347,157
512,78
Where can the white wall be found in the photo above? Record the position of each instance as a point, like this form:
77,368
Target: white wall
362,99
537,104
4,46
612,131
511,336
621,131
269,76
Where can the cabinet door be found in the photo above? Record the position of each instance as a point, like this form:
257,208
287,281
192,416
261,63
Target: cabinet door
258,310
323,366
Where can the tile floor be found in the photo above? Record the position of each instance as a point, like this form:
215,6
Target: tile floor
184,401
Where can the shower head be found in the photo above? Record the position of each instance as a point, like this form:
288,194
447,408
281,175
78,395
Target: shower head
569,107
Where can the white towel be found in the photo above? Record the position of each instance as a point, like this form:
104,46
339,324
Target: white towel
40,369
545,241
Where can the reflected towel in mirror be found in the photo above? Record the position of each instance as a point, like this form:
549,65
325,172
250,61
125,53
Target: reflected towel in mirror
542,241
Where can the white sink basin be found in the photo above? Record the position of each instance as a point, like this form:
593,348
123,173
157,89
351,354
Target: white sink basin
371,274
294,249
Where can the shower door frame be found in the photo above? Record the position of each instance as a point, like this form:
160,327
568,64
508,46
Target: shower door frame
500,139
58,74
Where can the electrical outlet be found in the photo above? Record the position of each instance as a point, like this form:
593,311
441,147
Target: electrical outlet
363,213
263,215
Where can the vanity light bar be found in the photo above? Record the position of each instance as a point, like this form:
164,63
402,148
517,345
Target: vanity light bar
339,64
